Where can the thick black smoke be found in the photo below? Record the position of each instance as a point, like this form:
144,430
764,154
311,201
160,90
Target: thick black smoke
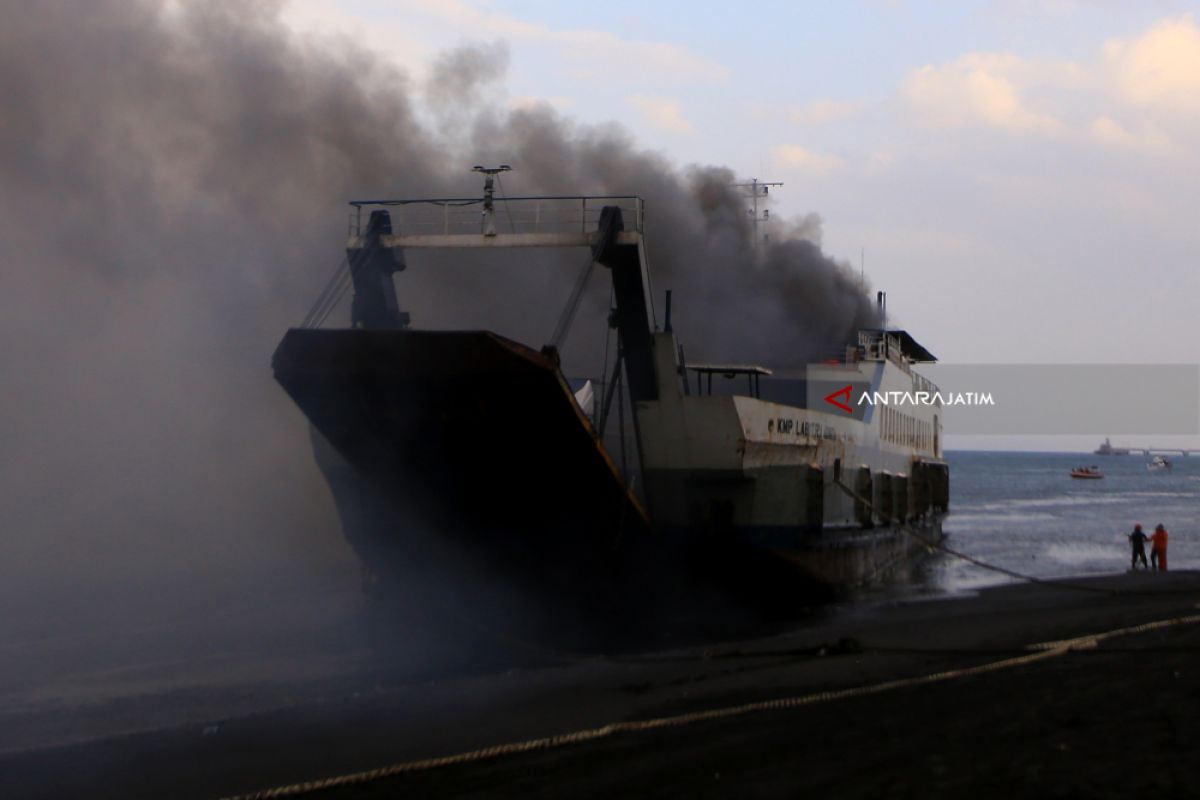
783,302
168,174
172,177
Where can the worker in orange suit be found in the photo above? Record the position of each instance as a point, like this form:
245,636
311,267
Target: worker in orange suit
1158,551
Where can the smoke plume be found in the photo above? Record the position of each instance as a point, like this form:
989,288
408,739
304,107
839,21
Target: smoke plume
173,178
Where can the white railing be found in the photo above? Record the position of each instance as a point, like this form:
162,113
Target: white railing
879,345
449,216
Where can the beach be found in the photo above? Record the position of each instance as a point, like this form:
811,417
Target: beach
920,697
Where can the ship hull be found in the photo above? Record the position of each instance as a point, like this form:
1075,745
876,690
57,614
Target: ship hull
465,451
464,433
856,556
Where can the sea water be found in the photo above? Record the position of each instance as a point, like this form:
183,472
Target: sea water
1024,512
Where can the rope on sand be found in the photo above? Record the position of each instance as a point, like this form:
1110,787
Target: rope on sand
1040,652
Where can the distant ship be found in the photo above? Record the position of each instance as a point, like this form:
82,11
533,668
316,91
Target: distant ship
1106,449
756,477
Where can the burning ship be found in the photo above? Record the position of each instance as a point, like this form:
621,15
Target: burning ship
468,445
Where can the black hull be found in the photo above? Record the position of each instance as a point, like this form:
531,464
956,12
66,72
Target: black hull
461,431
854,556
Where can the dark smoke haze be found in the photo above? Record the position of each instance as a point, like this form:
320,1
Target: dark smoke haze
173,179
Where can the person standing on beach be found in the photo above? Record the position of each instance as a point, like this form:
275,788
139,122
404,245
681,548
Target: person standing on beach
1138,539
1158,552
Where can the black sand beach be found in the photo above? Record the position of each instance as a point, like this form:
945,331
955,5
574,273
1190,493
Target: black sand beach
1111,716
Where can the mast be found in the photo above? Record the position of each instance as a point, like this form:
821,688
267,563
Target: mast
755,189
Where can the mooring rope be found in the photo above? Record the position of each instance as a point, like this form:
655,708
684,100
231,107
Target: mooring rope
335,290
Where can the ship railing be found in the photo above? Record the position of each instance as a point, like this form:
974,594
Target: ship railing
752,372
570,216
847,356
923,384
873,345
880,346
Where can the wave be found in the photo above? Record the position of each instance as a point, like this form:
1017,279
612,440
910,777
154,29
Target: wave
974,579
1078,554
1066,500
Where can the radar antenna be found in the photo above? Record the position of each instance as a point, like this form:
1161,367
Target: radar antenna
489,194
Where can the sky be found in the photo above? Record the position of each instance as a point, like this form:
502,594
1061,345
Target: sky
1019,177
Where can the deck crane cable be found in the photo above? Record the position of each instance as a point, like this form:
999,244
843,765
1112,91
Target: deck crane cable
331,299
336,289
332,295
345,285
326,292
344,280
606,234
607,343
347,280
568,313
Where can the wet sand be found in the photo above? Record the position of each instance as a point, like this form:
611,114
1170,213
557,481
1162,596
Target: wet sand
1113,719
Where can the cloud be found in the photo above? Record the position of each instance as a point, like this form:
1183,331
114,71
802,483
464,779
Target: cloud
1108,130
591,53
878,162
796,157
1148,140
528,102
826,111
662,112
983,89
1161,67
1132,95
604,54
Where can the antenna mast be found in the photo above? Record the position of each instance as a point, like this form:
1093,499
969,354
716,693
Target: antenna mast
754,189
